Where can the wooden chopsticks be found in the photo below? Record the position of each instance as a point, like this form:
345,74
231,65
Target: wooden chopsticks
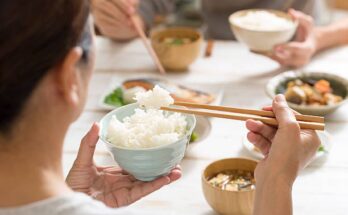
305,121
147,45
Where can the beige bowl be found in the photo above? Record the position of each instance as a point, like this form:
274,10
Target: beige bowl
261,40
176,57
228,202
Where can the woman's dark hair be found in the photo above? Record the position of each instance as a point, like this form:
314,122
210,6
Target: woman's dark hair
35,36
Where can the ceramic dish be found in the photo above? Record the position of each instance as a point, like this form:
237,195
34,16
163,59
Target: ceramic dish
277,85
261,40
150,163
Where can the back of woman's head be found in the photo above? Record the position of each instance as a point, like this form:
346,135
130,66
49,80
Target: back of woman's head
35,36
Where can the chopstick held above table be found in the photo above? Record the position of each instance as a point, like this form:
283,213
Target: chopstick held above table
147,44
267,117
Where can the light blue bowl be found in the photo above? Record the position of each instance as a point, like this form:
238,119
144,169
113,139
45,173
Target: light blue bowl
150,163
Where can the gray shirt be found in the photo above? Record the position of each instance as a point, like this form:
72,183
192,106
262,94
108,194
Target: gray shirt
216,12
70,204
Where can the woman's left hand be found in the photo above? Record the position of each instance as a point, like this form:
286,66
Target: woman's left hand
111,185
299,52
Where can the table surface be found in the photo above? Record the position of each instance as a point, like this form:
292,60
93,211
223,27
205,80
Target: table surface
320,189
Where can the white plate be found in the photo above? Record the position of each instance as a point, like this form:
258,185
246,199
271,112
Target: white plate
117,83
324,136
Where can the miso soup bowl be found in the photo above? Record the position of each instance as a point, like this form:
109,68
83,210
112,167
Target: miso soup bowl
224,201
146,164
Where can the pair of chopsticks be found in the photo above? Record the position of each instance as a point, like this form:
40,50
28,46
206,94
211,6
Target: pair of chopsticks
267,117
147,45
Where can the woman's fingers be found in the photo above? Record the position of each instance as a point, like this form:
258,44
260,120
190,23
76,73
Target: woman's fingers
145,188
87,147
258,127
259,142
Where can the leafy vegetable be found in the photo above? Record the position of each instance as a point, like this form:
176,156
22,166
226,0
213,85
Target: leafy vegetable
115,98
194,137
321,148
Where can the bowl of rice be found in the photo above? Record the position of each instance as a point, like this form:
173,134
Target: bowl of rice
145,141
261,29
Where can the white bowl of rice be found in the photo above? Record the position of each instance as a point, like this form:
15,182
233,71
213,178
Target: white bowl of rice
145,141
261,29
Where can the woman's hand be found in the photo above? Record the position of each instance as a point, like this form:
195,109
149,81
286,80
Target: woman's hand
287,149
111,185
299,52
112,18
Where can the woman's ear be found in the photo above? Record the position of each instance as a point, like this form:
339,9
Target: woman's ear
68,77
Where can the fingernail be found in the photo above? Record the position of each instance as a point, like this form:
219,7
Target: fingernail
280,98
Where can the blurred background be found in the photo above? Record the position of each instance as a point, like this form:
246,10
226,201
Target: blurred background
188,13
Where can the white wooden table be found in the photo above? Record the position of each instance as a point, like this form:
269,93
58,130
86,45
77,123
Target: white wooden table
320,189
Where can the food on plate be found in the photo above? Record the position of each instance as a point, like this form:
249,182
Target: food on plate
115,98
311,92
233,180
148,127
178,92
129,94
176,40
194,137
263,21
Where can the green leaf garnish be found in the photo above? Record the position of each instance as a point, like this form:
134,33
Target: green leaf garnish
194,137
115,98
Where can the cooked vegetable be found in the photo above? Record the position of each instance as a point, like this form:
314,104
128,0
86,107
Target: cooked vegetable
321,148
314,93
194,137
234,180
115,98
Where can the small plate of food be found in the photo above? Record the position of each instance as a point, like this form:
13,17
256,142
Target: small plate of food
324,149
311,93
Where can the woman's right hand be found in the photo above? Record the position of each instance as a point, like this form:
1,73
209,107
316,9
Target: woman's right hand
287,149
112,17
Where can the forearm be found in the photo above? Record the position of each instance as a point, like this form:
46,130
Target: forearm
332,35
273,197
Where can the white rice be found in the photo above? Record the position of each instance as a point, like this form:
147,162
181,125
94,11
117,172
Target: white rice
155,98
263,21
148,127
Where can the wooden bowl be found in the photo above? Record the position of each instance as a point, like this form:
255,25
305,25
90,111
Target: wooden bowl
228,202
176,57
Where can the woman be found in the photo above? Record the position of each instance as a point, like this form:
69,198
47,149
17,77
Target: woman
46,60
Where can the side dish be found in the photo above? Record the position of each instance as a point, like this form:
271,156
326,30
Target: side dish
311,92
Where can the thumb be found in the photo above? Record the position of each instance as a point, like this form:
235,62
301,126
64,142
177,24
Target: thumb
284,115
87,146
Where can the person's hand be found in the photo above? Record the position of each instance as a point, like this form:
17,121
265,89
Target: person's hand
299,52
112,17
111,185
287,150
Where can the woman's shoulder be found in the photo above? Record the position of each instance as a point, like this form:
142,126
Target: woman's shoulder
69,204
